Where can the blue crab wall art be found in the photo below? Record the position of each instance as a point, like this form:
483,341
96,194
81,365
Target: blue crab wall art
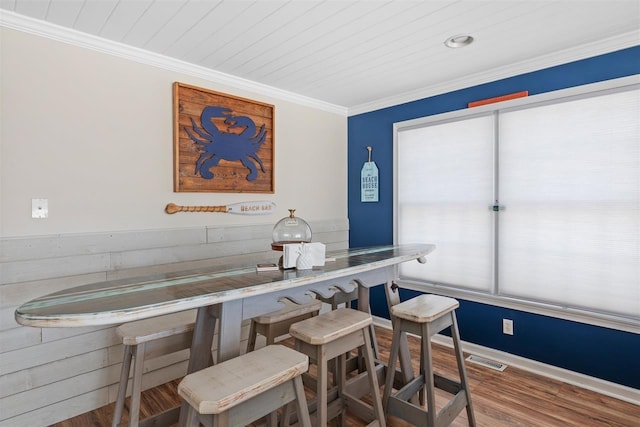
217,144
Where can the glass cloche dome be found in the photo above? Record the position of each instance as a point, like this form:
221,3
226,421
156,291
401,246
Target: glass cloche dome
290,229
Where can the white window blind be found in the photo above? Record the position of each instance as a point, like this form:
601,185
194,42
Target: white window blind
570,182
444,188
566,171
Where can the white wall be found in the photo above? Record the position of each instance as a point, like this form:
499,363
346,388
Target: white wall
92,133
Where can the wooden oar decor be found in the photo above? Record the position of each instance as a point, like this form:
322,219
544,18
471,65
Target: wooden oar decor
242,208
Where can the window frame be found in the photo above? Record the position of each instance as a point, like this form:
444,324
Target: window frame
492,297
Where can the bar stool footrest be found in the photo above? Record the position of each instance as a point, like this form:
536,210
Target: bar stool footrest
358,386
359,408
446,384
334,408
410,389
451,410
400,406
407,411
167,417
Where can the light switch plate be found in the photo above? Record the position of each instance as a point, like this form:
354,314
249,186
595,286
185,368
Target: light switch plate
39,208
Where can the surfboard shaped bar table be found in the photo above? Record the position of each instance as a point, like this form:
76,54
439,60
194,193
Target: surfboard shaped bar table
229,293
124,300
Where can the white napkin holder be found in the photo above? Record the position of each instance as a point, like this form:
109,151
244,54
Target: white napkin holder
291,252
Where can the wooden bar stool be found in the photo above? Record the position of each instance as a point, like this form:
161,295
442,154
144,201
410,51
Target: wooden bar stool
277,323
331,335
147,339
343,297
425,316
241,390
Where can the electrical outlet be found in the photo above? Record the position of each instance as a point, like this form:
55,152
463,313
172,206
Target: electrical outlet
507,326
39,208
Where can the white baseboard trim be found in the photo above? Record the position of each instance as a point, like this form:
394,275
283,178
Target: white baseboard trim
597,385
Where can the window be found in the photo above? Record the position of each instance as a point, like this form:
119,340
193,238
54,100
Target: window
534,201
444,189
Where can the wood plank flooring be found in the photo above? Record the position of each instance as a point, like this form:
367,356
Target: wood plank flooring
500,399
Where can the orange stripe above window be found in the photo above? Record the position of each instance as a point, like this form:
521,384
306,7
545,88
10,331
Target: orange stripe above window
498,99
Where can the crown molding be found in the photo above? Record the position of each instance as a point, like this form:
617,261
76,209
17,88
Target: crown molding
588,50
29,25
55,32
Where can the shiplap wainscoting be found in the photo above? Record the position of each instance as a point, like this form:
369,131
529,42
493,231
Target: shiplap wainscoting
51,374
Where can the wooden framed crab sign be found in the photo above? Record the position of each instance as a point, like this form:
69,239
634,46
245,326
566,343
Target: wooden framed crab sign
222,143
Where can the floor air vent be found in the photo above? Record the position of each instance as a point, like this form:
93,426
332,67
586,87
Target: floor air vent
487,362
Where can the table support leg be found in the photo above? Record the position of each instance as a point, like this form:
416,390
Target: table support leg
364,305
229,330
393,298
200,349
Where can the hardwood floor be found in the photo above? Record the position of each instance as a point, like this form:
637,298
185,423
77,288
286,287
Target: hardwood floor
501,399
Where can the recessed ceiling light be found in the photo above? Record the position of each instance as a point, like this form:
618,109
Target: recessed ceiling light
459,41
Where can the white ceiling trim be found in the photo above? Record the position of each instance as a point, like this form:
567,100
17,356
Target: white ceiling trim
55,32
558,58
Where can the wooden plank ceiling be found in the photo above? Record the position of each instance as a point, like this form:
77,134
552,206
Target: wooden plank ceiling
346,53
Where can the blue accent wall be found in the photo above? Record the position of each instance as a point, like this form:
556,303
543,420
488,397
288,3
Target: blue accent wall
596,351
